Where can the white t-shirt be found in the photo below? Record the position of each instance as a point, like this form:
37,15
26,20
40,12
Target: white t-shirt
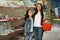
37,20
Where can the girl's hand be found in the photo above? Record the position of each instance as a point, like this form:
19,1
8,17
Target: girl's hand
24,33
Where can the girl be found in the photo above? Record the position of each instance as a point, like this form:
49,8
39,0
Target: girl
28,25
38,19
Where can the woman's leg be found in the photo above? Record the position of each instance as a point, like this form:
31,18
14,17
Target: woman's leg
40,32
35,33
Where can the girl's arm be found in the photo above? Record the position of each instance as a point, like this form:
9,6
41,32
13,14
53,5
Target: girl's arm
31,30
25,26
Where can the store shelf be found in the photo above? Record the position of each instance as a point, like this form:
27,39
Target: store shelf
10,36
56,19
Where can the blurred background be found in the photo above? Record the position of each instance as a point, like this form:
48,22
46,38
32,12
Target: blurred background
12,13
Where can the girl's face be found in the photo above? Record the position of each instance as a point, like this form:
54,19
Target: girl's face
30,13
38,7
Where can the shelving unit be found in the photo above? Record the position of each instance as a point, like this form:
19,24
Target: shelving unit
56,4
6,30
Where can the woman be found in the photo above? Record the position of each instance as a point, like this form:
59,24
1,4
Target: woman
38,19
28,25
